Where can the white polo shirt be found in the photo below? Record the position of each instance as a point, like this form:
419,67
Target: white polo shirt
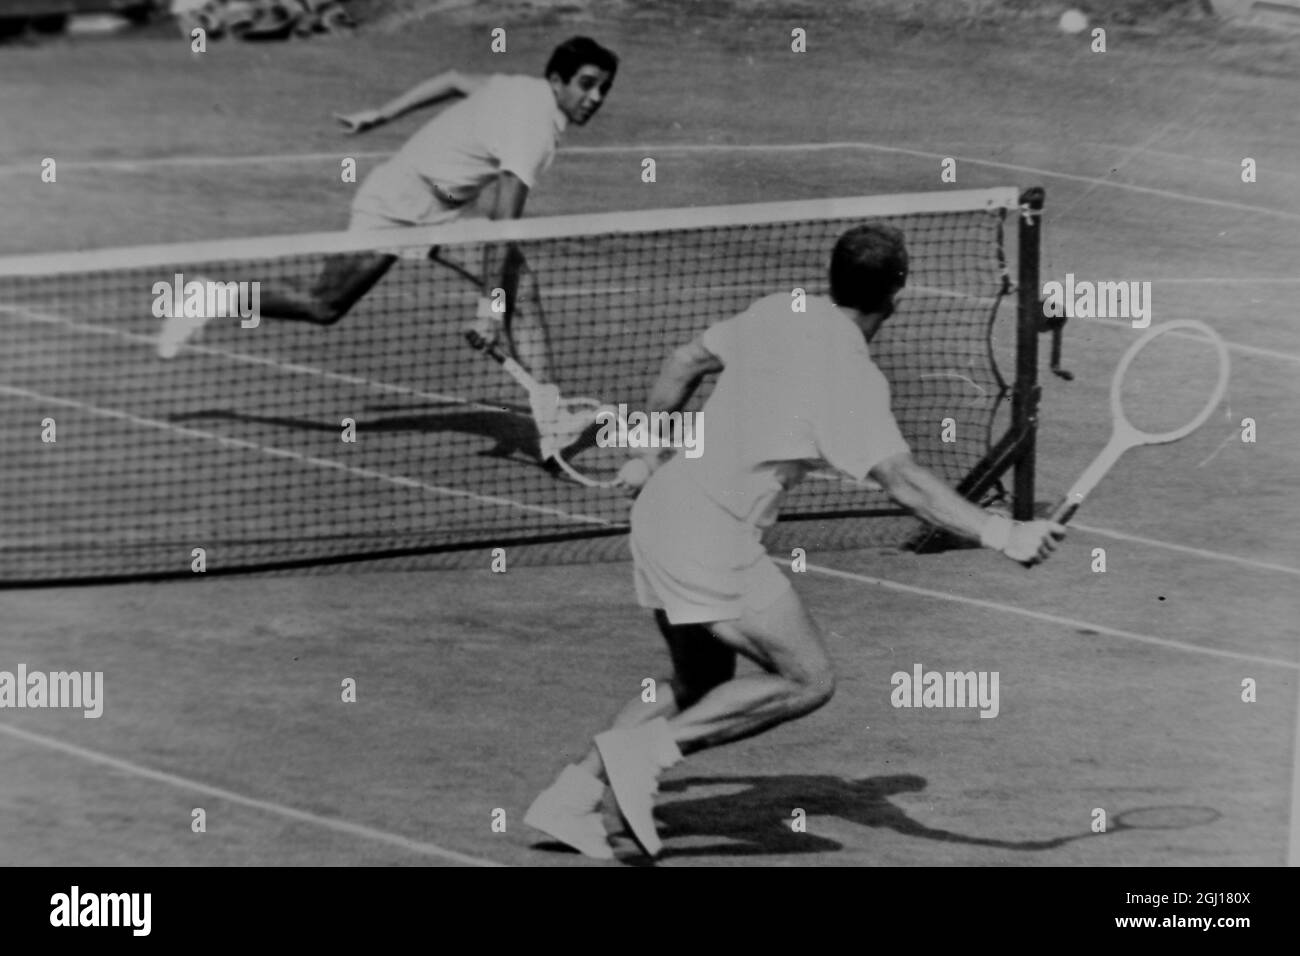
798,391
509,124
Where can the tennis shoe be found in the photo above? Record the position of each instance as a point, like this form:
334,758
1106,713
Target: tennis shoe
178,329
568,811
633,759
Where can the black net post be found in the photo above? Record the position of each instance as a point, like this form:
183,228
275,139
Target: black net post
1026,393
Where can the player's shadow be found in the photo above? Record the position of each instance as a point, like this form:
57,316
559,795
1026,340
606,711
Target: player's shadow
757,820
511,429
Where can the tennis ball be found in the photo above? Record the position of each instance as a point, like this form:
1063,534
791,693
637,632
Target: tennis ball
1073,21
635,473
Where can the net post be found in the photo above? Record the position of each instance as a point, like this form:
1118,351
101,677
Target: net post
1026,392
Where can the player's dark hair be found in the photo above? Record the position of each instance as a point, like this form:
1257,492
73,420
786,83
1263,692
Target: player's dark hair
575,53
868,265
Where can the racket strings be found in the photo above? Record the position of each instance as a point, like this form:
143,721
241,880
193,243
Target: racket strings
588,441
1168,382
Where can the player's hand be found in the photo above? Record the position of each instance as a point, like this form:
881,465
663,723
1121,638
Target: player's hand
359,121
1032,542
633,476
484,333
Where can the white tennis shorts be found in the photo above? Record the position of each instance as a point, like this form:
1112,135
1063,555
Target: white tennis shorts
389,200
693,558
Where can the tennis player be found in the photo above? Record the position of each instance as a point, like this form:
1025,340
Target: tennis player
797,391
504,130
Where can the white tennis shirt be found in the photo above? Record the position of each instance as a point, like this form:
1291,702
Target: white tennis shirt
798,391
509,124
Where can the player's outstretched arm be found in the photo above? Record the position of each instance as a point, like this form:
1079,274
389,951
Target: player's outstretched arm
921,491
431,91
502,264
678,379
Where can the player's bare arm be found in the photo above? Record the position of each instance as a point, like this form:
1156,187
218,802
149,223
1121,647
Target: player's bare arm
678,379
444,86
501,267
922,492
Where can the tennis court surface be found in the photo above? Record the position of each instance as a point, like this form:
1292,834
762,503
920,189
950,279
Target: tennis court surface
1119,690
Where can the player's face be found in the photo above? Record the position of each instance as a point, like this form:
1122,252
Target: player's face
582,95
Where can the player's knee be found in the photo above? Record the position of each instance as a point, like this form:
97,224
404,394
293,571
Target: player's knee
814,683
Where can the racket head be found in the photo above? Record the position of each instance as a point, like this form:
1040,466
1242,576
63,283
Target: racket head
1171,383
583,453
1131,434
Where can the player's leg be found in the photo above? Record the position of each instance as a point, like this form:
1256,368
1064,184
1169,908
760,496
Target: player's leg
780,637
569,809
344,278
342,282
705,704
784,640
701,662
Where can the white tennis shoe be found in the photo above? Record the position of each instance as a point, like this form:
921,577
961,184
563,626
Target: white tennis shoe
633,759
569,811
179,329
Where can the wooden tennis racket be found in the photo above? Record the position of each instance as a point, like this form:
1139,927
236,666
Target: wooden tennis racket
570,429
1163,386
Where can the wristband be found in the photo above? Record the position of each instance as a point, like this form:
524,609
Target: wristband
997,533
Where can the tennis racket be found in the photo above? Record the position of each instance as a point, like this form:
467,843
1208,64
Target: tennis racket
570,429
1157,396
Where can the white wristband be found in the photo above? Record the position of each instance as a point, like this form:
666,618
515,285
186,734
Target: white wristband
997,533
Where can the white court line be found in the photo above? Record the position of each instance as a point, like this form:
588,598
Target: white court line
266,806
1209,161
145,163
1185,549
243,357
290,158
1231,280
298,456
1050,618
1227,439
1127,325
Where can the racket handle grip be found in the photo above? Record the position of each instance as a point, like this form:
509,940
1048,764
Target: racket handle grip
1065,508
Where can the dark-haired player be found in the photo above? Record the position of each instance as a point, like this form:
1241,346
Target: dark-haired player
796,391
505,131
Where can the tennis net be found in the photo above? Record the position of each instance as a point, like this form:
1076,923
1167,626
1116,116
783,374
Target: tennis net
118,464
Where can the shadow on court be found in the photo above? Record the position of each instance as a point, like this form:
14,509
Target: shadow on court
743,822
745,819
510,430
